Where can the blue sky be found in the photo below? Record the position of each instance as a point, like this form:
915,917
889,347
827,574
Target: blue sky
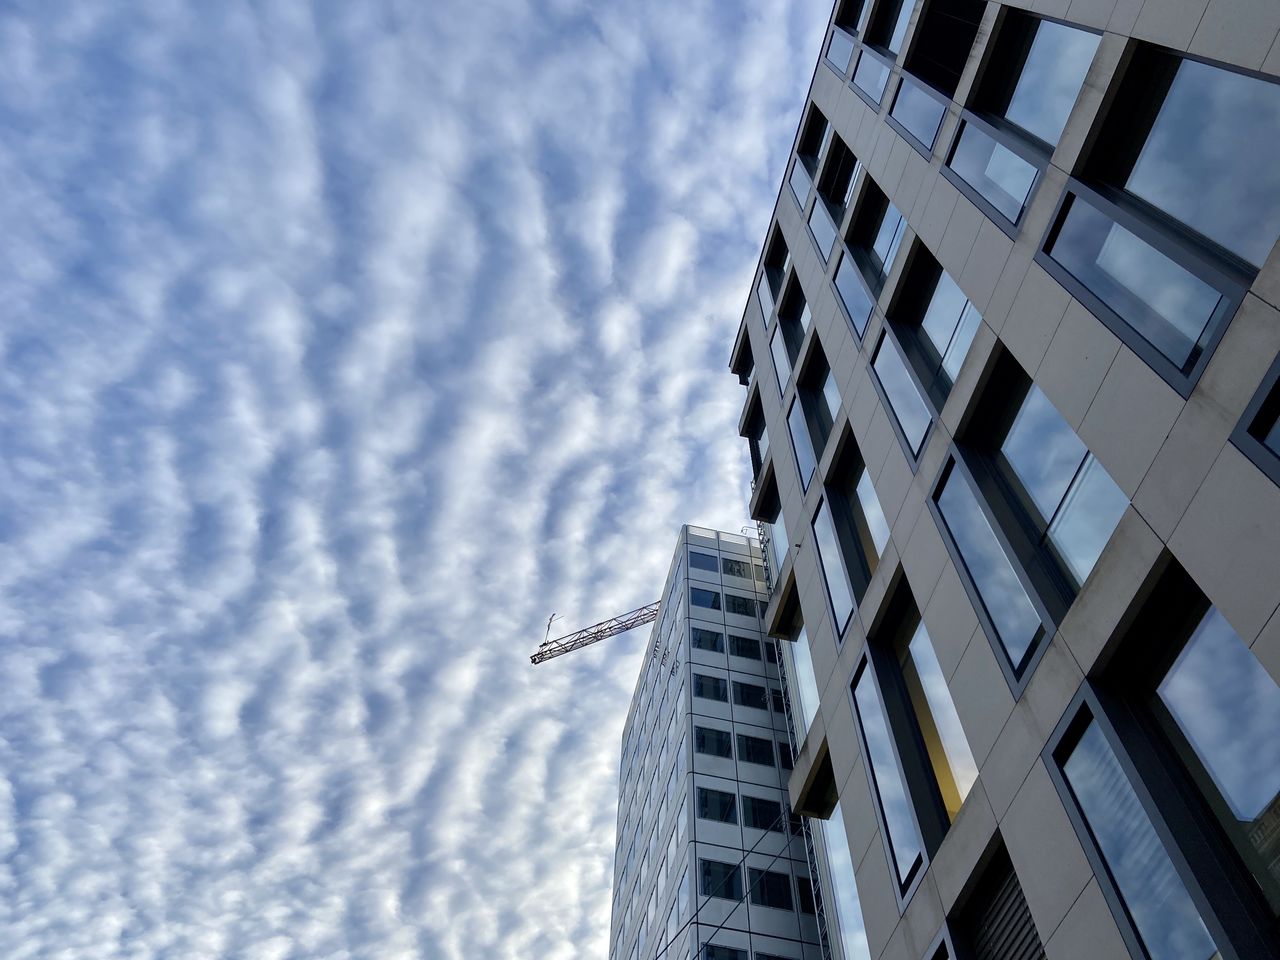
342,344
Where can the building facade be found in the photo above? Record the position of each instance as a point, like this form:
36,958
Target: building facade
709,860
1011,363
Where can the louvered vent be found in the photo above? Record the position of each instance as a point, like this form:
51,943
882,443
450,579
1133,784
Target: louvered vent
997,921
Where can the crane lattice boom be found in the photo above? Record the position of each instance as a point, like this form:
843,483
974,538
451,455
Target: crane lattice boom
596,632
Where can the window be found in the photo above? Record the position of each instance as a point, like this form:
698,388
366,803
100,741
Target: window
1172,215
746,647
839,51
822,226
740,606
918,110
775,698
750,695
849,926
830,559
802,683
735,568
761,814
905,847
871,76
757,439
1019,110
716,805
1156,901
702,561
712,951
804,892
784,756
862,532
777,259
755,750
874,236
935,324
902,395
809,150
835,186
704,598
716,879
806,462
781,362
712,742
770,889
770,652
710,688
1259,432
703,639
931,74
887,27
819,400
854,296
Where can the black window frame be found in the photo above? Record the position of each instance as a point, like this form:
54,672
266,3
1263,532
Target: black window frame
914,457
750,821
742,690
919,146
869,211
700,681
732,874
764,889
1263,410
695,565
697,633
751,601
723,736
725,802
746,745
737,643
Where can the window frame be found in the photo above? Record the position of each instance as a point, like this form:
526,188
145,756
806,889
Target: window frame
914,457
1265,399
924,149
883,61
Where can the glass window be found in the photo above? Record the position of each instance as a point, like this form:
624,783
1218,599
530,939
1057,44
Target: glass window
804,894
1050,78
745,647
740,606
918,111
830,393
704,598
750,695
871,75
1165,304
710,688
717,879
716,805
849,924
1012,614
948,748
1069,489
784,756
840,51
888,238
755,750
853,294
770,889
802,682
735,568
702,561
801,182
1200,159
1225,710
1158,904
781,361
999,175
873,526
703,639
908,407
949,323
886,778
713,951
712,742
831,559
887,27
823,228
806,463
761,814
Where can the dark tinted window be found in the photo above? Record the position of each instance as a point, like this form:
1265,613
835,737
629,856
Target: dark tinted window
746,647
703,639
755,750
710,688
716,805
742,606
702,561
735,568
714,743
760,814
717,879
750,695
704,598
771,889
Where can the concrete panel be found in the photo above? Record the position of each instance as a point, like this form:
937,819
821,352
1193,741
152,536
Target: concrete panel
1243,357
986,259
1006,766
950,620
1091,13
875,893
1237,31
982,698
1076,362
959,237
1037,311
1088,930
1171,23
963,846
924,556
1184,460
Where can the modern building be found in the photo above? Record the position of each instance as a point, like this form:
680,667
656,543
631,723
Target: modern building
709,860
1012,370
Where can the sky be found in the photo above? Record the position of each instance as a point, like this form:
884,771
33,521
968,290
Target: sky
340,345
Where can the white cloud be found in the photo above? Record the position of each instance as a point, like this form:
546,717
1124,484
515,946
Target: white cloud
342,345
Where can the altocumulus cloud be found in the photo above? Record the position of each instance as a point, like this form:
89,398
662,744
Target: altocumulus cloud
341,343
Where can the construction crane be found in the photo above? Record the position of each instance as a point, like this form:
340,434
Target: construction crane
596,632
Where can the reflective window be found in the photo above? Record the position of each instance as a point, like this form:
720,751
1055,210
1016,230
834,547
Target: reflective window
804,894
919,113
886,778
761,814
802,682
801,182
704,598
949,322
840,51
830,558
735,568
1170,308
714,743
1012,614
887,27
710,688
872,526
888,237
1200,159
805,460
713,951
755,750
781,361
716,805
702,561
852,934
1050,78
999,175
908,407
823,228
830,396
717,879
1066,485
1227,709
750,695
746,647
741,606
871,75
853,294
770,889
1158,904
703,639
948,748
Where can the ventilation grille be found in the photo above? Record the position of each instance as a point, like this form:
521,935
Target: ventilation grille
998,921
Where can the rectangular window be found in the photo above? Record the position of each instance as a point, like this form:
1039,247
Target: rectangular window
823,227
716,805
862,530
745,647
919,111
781,361
835,185
735,568
702,561
784,756
839,51
806,462
710,688
750,695
854,297
887,783
874,236
755,750
740,606
712,742
703,639
761,814
777,260
909,409
770,889
997,174
871,75
830,559
704,598
802,683
1156,901
716,879
1258,434
713,951
804,894
887,27
809,151
818,398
